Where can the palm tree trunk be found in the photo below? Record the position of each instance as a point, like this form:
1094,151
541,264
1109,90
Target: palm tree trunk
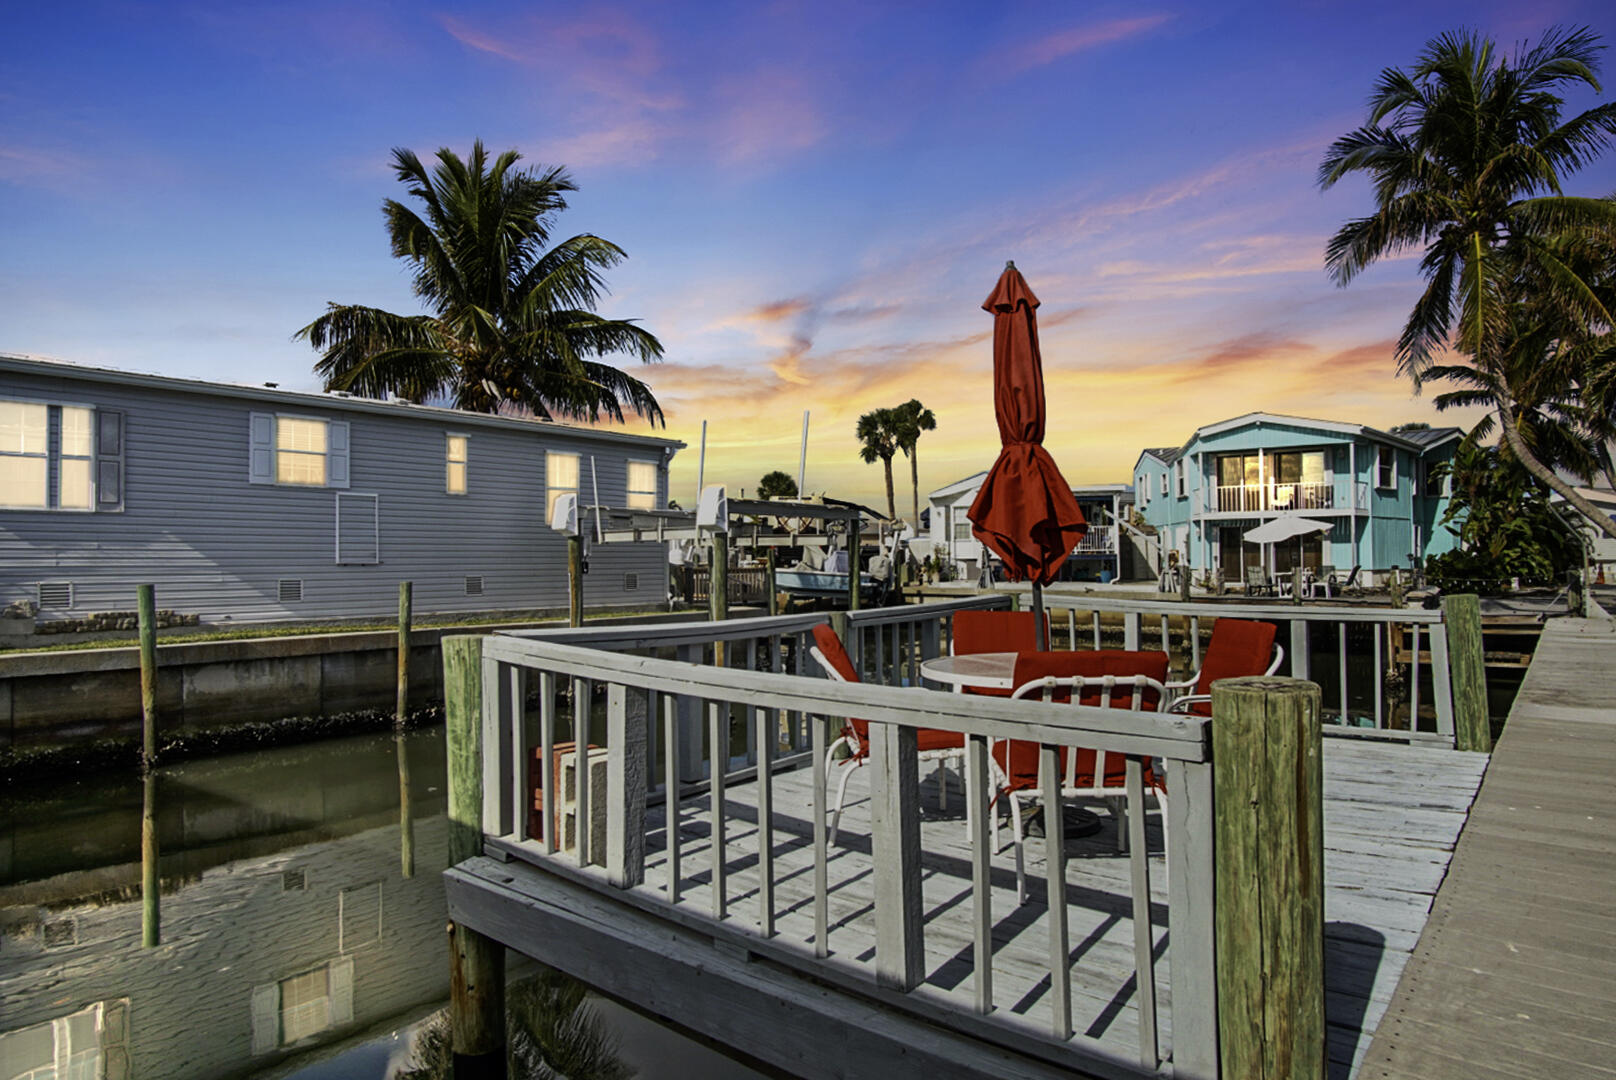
914,483
892,506
1518,447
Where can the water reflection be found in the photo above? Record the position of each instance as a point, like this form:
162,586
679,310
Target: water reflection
295,940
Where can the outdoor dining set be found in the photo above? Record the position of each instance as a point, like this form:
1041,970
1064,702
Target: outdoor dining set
997,653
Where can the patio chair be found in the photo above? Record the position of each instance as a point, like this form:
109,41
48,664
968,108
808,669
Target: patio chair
995,631
1324,579
831,655
1238,647
1257,583
1108,678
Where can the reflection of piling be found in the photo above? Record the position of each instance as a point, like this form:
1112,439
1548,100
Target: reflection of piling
150,878
406,827
476,962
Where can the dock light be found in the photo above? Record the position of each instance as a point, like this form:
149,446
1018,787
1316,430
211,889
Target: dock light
712,511
564,517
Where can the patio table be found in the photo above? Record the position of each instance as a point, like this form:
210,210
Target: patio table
981,671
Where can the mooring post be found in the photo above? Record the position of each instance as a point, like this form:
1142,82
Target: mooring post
1394,585
476,962
1296,585
406,824
1467,663
718,592
855,527
575,580
768,580
1268,780
151,883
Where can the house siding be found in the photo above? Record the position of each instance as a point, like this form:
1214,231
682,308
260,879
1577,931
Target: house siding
216,545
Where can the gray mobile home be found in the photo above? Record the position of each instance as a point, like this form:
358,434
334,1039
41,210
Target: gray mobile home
254,503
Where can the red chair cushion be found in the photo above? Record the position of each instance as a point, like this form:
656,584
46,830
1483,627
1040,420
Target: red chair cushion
1089,664
836,655
835,652
932,739
1019,760
995,631
1239,647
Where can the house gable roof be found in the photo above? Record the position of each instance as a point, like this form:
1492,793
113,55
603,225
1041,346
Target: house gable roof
33,365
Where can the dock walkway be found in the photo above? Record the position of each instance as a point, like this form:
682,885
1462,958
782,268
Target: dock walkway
1514,975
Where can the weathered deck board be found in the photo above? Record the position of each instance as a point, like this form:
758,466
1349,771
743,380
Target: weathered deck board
1392,815
1515,973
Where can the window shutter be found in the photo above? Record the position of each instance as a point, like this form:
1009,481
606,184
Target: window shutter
261,448
337,454
341,975
266,1017
108,459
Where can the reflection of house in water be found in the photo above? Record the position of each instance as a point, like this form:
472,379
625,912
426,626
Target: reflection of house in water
266,953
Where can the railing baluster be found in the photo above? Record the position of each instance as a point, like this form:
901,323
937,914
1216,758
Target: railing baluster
978,810
497,723
670,785
521,795
717,765
897,662
551,800
1414,681
1441,679
625,787
765,821
816,750
749,713
1379,673
1190,877
1195,643
1071,628
1144,937
1060,965
1165,637
1341,658
1096,616
581,692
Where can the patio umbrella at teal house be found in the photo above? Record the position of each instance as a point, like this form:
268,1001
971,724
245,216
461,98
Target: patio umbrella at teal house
1025,512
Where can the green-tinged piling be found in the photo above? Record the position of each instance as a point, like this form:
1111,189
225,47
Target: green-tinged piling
1461,615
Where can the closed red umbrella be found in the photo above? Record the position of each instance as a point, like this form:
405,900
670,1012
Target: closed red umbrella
1025,512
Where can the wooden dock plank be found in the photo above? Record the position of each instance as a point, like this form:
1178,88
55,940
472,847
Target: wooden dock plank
1515,972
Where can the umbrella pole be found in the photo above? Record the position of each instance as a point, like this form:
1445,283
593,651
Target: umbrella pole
1038,616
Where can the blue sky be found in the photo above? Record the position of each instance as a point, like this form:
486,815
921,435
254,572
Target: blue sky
815,198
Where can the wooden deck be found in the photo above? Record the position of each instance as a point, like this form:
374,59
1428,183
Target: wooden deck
1515,973
1392,816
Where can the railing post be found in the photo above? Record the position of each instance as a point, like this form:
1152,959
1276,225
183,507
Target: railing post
900,959
1299,651
463,735
476,963
1269,778
1191,868
1132,629
1466,659
625,786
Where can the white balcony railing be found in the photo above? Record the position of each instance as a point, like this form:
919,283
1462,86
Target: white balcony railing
1275,496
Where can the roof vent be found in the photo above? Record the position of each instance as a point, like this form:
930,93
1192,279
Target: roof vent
289,590
56,594
474,584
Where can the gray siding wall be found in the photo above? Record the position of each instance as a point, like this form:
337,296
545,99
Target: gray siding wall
217,545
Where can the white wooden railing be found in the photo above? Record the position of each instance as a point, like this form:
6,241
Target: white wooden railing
659,694
1319,644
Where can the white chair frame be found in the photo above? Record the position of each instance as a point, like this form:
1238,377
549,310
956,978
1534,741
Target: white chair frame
1183,700
854,760
1116,798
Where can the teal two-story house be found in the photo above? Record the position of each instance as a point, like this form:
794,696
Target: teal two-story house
1374,488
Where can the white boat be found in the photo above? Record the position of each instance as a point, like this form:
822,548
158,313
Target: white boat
803,582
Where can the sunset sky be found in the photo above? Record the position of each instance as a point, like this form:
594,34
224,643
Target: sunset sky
815,199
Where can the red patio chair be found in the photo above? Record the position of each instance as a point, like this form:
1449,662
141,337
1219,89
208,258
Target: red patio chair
1107,678
1239,647
831,655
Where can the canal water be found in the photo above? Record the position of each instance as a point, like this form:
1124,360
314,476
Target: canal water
293,942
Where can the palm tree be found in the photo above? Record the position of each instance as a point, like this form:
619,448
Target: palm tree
511,324
913,418
1466,151
877,433
777,485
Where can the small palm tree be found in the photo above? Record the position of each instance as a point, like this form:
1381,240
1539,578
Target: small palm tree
1467,151
913,418
512,325
877,433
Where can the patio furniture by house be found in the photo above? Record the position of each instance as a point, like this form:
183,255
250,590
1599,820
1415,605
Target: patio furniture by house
1323,579
1239,647
944,746
1107,678
1257,583
993,632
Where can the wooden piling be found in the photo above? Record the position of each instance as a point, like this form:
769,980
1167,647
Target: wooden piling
1296,585
768,581
718,578
476,962
1395,586
406,824
151,885
575,580
1471,728
151,879
1269,869
146,617
855,529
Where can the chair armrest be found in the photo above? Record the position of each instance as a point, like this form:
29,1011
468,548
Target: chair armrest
1186,684
1182,704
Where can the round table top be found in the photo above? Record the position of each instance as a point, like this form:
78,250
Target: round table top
986,671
